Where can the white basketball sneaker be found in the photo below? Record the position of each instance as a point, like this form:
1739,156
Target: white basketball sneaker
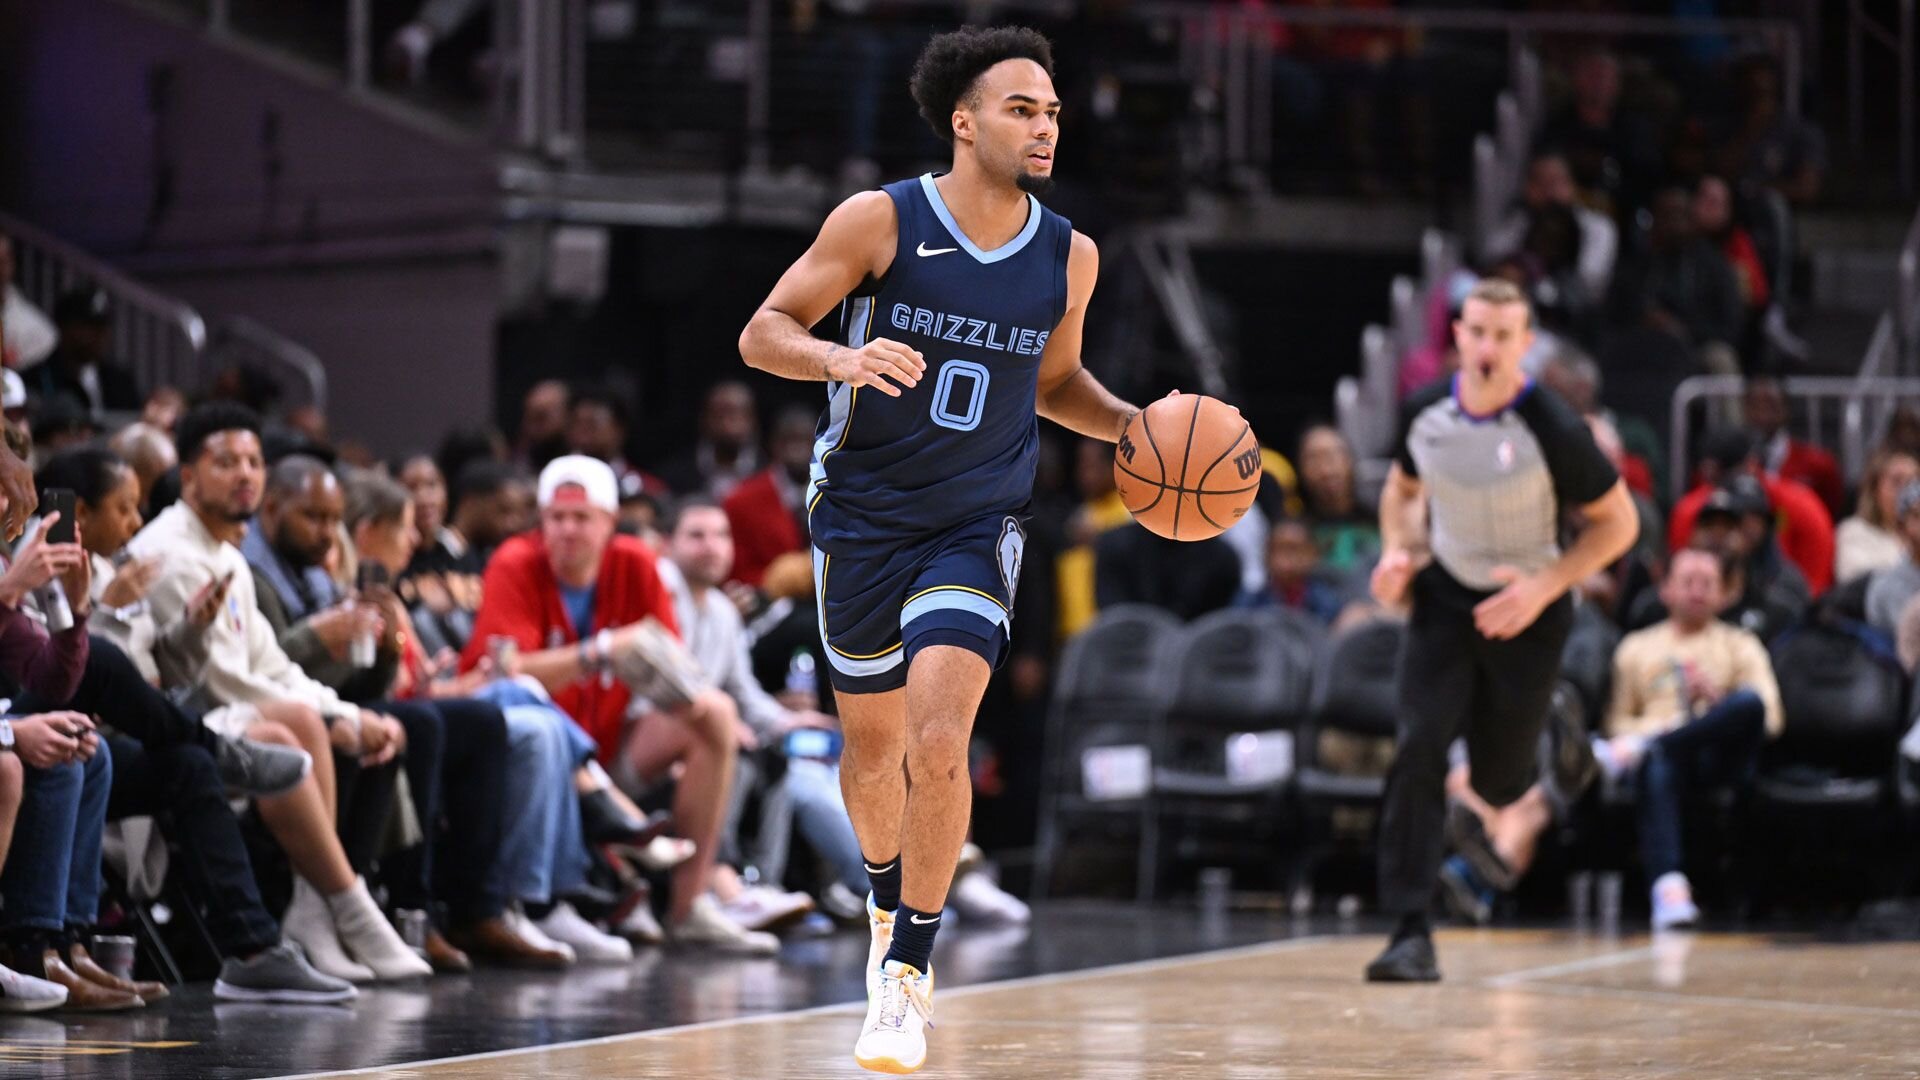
895,1039
881,924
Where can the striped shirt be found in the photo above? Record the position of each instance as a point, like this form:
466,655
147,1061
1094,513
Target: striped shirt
1496,485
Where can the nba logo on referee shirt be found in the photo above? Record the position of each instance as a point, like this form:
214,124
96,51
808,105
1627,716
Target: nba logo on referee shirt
1503,455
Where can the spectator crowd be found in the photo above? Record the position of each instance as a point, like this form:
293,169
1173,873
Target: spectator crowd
524,700
522,704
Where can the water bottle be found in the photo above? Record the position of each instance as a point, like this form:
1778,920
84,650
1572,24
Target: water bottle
53,604
362,651
800,677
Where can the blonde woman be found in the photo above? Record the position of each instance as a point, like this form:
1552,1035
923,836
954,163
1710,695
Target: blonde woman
1867,541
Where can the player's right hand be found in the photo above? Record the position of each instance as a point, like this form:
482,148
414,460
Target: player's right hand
1391,577
876,362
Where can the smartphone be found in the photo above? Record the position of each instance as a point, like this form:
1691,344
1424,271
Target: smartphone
59,500
373,576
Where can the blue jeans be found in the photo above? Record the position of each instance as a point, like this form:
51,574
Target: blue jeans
820,813
543,850
52,877
1714,749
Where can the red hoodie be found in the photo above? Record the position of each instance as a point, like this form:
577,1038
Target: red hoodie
520,598
1803,525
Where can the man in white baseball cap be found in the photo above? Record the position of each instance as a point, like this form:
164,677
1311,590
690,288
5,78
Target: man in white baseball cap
572,595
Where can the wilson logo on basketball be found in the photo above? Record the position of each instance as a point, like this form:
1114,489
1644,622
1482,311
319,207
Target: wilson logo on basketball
1248,463
1126,449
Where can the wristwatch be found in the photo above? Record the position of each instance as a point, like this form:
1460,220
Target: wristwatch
6,736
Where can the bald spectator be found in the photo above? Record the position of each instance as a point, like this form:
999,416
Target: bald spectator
29,335
150,453
768,511
728,450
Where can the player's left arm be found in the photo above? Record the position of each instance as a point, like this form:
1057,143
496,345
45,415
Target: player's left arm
1069,394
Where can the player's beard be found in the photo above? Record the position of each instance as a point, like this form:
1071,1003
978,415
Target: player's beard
1033,183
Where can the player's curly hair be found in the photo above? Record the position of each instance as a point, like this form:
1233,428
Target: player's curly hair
950,67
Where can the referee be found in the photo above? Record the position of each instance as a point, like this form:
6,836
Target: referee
1493,461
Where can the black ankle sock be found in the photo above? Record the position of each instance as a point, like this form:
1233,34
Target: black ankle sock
884,878
1413,924
913,937
536,912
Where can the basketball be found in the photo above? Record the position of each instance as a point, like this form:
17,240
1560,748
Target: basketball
1187,467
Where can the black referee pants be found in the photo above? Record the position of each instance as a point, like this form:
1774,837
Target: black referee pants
1455,683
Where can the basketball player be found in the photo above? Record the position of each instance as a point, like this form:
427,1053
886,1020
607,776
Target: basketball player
1493,461
961,302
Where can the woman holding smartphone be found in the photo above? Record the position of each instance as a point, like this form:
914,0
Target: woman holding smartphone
301,817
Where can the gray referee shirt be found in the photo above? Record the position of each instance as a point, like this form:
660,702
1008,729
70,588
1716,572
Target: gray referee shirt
1496,484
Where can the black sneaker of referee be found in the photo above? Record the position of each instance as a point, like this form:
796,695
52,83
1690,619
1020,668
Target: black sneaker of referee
1574,766
1409,956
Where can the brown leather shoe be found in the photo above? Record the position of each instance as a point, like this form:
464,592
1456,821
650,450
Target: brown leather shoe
83,995
84,966
446,959
494,941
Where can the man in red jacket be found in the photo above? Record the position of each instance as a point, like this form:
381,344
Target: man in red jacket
570,594
1784,457
767,511
1804,527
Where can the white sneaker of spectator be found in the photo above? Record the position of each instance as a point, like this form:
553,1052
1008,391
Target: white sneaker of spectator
660,854
371,939
589,943
842,903
530,932
25,994
1617,757
763,907
709,927
309,924
979,899
642,926
1673,903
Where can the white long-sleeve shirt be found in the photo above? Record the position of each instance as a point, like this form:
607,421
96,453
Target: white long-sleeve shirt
713,632
245,664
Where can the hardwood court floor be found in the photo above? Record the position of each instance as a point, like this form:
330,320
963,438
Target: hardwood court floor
1515,1003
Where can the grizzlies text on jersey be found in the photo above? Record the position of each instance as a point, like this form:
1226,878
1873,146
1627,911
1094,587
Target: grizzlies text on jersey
916,502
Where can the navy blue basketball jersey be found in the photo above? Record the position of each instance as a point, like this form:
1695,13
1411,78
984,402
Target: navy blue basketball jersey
962,444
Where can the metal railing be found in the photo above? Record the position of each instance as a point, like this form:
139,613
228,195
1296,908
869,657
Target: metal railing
1849,413
163,340
160,337
241,342
1906,300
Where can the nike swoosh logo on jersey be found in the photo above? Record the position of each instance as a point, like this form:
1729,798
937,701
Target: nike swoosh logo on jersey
918,921
923,250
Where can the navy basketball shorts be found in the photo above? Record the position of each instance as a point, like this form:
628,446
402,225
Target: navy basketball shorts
880,607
